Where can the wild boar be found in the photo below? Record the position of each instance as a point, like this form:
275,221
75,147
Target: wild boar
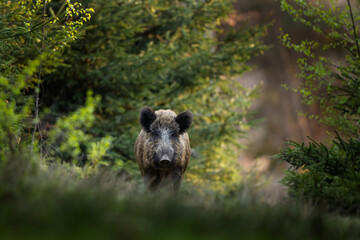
162,148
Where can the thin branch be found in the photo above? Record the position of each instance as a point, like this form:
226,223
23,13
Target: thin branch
37,90
354,27
37,48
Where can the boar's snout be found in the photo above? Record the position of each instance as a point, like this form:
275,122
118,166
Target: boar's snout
165,157
165,161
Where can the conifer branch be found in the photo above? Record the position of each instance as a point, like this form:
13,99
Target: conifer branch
24,33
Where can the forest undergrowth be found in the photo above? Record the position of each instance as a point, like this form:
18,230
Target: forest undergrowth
56,202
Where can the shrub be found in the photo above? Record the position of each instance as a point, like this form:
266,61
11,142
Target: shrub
325,176
34,35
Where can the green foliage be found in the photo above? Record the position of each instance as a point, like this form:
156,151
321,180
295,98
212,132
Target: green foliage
33,28
33,36
69,141
163,55
14,110
332,83
327,176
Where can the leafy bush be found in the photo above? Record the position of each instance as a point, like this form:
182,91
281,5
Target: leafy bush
327,176
33,37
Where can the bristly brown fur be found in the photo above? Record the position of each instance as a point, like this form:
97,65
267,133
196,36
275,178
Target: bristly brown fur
145,147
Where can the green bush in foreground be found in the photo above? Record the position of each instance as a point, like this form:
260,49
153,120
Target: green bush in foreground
327,176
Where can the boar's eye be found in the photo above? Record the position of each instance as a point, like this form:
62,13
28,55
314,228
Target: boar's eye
174,135
156,133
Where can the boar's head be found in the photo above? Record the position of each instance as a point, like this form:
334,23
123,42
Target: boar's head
164,142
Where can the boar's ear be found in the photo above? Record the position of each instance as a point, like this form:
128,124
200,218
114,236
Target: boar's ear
147,117
184,120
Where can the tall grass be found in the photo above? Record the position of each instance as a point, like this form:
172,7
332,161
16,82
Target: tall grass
56,201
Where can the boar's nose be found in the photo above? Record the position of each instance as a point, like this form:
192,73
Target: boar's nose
165,161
